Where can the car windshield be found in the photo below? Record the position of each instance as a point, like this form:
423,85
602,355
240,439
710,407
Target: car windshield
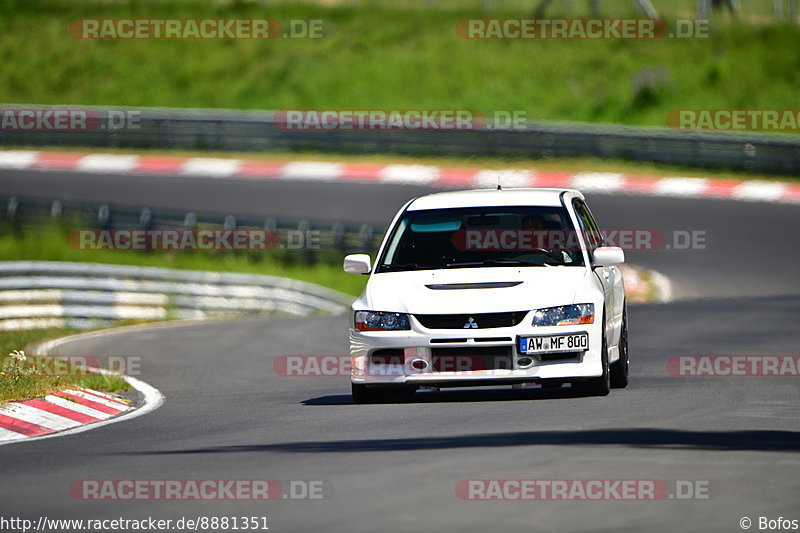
482,237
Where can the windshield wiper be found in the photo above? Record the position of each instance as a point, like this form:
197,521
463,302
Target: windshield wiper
507,261
488,262
499,262
405,266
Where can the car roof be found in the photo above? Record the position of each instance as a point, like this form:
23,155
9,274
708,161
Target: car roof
492,197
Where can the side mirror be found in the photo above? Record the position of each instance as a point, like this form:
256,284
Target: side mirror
608,256
357,264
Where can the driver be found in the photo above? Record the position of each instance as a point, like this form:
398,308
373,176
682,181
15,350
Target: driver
532,223
535,225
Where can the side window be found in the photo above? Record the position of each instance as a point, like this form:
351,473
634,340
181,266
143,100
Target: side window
593,225
588,226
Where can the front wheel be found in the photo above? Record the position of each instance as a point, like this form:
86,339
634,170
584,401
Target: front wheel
599,386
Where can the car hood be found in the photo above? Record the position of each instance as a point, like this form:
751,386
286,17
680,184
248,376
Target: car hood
474,290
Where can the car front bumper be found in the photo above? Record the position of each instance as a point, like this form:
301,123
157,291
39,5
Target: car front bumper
441,358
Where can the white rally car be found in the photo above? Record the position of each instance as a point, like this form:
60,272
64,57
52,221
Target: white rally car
489,287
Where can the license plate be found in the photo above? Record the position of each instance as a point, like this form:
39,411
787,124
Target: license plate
573,342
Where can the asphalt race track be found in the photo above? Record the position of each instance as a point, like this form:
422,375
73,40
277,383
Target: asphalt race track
395,467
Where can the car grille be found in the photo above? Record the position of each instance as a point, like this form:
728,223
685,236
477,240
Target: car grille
470,359
479,320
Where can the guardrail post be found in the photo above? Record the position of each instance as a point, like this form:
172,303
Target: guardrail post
190,220
306,252
103,216
146,218
365,235
12,214
703,9
338,236
56,210
272,237
12,210
230,223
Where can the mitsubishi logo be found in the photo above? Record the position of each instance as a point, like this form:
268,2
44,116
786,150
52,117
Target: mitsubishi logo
471,324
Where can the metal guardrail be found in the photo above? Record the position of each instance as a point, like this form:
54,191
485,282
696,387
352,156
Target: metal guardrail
237,130
36,294
328,236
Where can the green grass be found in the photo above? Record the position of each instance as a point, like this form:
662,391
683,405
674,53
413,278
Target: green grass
49,243
384,56
22,385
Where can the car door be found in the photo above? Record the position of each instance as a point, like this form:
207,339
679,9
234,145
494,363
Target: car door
610,276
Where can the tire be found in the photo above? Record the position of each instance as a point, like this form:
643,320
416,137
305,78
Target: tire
621,368
363,394
599,386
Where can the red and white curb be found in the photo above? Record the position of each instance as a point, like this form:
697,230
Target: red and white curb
72,410
444,177
58,411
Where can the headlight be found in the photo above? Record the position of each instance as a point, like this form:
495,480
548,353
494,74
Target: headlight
565,315
381,321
